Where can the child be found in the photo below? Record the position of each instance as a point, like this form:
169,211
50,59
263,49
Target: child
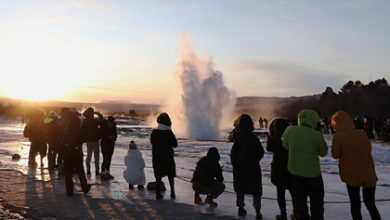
135,164
207,178
353,149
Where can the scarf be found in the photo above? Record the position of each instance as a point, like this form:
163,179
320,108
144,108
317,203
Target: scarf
163,127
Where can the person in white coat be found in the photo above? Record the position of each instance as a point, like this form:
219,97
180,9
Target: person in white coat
134,173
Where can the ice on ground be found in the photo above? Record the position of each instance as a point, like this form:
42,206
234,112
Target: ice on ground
186,156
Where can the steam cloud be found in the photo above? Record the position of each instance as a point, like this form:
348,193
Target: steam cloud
203,96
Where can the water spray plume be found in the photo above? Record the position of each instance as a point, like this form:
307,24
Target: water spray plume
203,96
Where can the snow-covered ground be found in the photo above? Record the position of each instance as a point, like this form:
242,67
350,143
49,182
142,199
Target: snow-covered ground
186,156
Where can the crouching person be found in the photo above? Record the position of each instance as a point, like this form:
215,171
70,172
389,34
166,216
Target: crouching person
134,173
207,178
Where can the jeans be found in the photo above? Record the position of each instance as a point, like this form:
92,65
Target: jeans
213,191
256,200
369,201
92,147
312,187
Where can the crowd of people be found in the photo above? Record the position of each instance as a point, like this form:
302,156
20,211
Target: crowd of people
375,128
295,166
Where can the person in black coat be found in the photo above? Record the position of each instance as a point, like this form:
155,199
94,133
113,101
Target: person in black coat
91,136
245,157
72,152
207,178
280,176
53,133
107,143
35,132
163,141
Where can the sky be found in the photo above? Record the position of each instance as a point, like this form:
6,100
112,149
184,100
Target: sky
95,50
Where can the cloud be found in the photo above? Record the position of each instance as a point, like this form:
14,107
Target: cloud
358,4
279,79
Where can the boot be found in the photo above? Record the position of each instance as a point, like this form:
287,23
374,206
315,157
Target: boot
281,217
259,216
197,199
88,188
241,211
109,175
210,201
131,187
173,195
104,176
140,187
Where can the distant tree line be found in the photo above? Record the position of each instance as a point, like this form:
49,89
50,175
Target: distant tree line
369,100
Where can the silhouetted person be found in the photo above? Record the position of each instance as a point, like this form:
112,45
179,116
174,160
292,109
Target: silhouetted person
245,157
207,178
261,122
53,134
163,141
73,153
134,173
107,143
353,149
265,123
280,176
305,144
367,127
91,135
35,132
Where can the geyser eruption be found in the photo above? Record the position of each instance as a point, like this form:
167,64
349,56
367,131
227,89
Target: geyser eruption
203,96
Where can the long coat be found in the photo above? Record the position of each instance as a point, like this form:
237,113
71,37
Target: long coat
245,157
279,173
163,142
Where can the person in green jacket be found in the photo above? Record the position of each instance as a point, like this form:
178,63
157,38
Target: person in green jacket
304,144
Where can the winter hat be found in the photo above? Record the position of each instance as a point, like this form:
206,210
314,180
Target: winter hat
132,145
163,118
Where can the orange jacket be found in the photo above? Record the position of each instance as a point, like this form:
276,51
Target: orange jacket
353,149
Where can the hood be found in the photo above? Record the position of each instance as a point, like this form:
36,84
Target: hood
277,127
342,121
244,123
213,153
164,118
308,117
